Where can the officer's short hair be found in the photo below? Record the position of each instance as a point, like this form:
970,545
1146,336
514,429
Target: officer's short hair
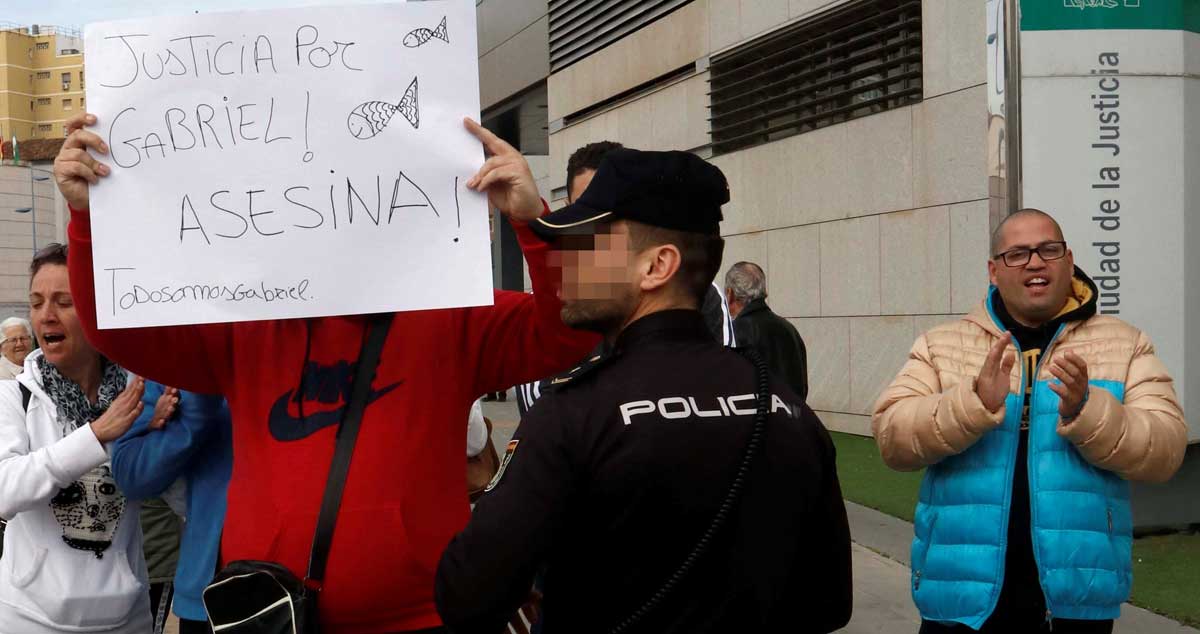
588,157
700,255
746,281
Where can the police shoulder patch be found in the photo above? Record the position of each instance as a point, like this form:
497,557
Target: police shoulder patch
585,369
508,454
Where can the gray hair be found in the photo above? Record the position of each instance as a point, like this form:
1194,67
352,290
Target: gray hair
746,282
14,321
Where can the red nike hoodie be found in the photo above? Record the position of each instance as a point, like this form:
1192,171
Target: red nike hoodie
287,381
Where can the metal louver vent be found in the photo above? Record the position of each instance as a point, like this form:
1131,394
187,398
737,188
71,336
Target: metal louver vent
853,61
579,28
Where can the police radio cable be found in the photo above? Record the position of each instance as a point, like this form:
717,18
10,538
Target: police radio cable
727,505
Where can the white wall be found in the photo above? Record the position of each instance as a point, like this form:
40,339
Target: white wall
16,230
870,231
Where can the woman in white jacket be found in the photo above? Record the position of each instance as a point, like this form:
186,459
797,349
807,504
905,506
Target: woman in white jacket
73,549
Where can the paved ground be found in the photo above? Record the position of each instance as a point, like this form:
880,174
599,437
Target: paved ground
890,536
504,419
882,603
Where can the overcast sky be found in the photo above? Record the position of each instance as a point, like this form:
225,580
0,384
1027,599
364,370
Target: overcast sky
76,14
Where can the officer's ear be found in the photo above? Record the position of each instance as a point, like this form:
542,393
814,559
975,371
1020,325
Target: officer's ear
658,265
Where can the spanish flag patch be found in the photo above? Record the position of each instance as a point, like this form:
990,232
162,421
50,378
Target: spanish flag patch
508,454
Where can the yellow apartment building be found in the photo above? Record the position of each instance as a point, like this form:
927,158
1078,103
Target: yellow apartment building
41,80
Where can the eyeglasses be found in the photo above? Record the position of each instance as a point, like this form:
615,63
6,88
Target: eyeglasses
25,340
1020,256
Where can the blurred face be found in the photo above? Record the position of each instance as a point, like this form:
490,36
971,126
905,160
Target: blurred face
1033,292
55,323
17,344
598,290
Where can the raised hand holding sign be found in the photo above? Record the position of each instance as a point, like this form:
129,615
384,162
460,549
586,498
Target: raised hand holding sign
276,164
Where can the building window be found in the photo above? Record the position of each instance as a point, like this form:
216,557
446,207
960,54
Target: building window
81,81
43,75
67,104
43,101
44,128
852,61
578,29
521,121
66,81
42,46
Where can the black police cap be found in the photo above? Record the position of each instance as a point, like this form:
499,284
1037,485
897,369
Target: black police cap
672,190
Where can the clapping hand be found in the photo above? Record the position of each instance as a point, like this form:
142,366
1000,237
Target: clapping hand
1072,371
992,386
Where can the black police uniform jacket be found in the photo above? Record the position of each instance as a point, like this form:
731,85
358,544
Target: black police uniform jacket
609,483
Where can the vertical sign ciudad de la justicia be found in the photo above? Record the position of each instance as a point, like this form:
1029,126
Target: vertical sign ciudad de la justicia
1108,147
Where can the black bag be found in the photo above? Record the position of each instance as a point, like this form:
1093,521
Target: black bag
262,597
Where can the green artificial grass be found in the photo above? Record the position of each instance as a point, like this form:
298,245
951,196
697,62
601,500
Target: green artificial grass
1166,576
869,482
1166,569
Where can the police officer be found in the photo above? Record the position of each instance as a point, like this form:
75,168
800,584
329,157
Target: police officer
671,487
581,168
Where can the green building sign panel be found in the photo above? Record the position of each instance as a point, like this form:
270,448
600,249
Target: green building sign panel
1063,15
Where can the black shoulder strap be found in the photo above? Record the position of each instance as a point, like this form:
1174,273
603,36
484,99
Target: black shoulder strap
25,396
347,433
732,496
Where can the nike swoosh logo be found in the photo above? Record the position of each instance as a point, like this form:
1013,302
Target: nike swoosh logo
285,427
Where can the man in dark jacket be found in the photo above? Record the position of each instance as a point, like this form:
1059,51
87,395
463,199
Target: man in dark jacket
756,326
648,486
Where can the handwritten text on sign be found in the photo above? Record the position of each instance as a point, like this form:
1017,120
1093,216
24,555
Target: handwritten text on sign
294,163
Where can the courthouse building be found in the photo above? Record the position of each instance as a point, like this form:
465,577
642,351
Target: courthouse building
854,142
854,134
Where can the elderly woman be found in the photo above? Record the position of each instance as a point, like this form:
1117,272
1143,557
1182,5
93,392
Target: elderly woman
72,552
16,340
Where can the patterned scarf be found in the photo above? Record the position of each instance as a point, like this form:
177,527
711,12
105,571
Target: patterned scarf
74,410
89,509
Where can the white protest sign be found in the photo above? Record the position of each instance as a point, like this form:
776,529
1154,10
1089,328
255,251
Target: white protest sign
287,163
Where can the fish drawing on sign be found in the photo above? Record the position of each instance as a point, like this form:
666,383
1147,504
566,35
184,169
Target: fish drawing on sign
372,117
418,37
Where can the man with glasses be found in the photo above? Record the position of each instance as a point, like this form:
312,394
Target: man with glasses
1023,522
16,342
